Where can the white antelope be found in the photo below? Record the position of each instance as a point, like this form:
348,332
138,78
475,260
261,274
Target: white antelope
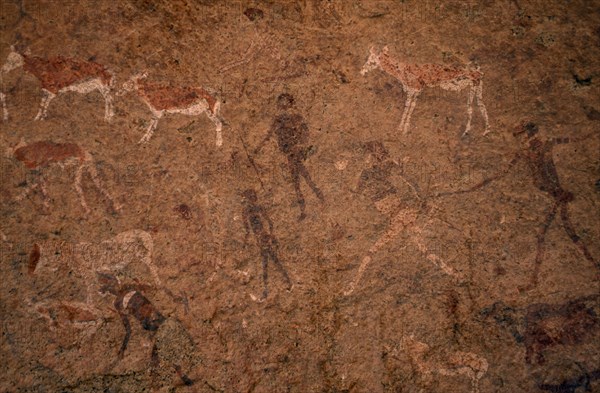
59,75
41,154
456,363
163,99
87,259
415,77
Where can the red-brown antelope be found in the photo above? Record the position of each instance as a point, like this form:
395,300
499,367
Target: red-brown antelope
41,154
415,77
58,75
163,99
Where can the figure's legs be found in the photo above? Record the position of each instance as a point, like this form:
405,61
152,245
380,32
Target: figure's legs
541,240
218,126
150,130
108,103
265,264
397,224
294,171
94,175
47,96
481,105
409,108
431,257
304,172
3,103
564,214
469,109
77,183
281,269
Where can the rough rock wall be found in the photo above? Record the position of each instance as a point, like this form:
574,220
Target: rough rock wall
210,196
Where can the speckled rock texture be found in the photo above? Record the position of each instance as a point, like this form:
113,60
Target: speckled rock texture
310,196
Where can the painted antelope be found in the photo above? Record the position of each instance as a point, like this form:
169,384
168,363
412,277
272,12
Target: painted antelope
540,326
163,99
456,363
87,259
59,75
415,77
42,154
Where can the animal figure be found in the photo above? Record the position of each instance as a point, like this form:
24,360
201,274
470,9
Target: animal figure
162,99
42,154
415,77
130,302
59,75
450,364
86,259
541,326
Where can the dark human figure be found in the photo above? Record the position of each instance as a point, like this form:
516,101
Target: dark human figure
130,302
538,156
254,216
292,136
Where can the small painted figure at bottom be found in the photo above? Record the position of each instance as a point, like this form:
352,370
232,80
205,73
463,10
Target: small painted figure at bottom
130,302
254,216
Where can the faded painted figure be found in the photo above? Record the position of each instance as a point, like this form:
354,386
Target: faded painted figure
256,218
172,344
39,155
538,156
415,77
541,326
163,99
456,363
292,136
375,182
59,75
86,259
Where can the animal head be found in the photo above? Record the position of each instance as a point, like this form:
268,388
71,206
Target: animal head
48,256
132,83
413,346
13,61
10,151
504,316
373,61
108,282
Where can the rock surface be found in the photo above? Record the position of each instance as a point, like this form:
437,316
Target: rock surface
346,235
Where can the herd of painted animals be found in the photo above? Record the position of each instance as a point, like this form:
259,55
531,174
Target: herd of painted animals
534,327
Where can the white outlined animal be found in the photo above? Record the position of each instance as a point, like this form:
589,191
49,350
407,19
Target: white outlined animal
59,75
86,259
163,99
415,77
42,154
449,364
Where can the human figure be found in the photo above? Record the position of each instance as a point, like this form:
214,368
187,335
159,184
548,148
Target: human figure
292,136
537,154
254,216
375,182
130,302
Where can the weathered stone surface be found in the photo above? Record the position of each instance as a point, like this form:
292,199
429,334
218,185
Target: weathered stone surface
312,196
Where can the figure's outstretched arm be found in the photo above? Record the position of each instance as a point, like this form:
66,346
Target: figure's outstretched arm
563,140
127,325
486,181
